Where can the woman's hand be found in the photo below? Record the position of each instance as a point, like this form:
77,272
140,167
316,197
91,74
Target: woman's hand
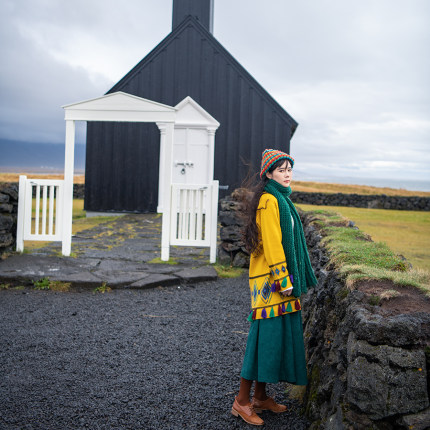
287,292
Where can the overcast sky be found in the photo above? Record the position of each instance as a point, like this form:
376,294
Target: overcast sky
354,74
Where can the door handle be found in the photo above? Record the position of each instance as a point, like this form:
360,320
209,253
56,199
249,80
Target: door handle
185,163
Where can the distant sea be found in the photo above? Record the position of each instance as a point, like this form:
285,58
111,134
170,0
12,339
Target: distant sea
17,157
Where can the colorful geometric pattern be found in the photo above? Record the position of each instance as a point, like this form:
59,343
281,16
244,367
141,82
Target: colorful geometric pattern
287,307
254,293
266,299
266,291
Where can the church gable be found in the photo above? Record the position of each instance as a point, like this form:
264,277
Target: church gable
191,62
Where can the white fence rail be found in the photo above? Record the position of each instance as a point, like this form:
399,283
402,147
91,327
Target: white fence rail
193,216
39,218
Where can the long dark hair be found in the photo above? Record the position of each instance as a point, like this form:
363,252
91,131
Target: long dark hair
251,233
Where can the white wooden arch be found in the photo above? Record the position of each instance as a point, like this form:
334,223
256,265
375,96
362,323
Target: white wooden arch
120,107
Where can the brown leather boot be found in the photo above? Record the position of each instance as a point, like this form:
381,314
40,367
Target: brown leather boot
247,413
267,405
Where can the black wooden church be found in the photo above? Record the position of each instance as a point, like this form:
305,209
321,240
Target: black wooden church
122,159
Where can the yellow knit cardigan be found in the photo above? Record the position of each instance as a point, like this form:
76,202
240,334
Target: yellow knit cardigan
268,274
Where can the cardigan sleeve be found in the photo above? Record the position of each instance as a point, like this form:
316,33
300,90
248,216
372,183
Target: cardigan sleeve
271,236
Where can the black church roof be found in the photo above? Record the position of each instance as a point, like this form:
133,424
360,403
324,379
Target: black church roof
191,21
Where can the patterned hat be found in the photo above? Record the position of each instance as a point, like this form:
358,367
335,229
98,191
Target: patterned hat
270,157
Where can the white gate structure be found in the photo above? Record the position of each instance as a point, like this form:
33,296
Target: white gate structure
47,221
194,216
52,219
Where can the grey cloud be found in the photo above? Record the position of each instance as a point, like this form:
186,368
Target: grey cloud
343,69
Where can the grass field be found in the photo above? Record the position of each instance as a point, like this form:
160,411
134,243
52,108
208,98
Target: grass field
14,177
322,187
405,232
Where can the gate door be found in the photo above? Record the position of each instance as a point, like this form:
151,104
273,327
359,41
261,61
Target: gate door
39,218
194,216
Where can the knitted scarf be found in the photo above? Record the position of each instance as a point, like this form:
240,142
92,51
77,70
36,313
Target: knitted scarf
293,240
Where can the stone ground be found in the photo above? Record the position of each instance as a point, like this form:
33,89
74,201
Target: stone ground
119,252
162,358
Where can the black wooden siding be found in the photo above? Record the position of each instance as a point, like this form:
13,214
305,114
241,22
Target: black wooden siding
122,159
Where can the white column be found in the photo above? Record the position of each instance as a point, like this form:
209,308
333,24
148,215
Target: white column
68,188
167,191
211,152
162,168
214,187
21,213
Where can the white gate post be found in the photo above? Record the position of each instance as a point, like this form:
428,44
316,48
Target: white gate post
167,191
68,188
211,136
21,212
161,179
214,221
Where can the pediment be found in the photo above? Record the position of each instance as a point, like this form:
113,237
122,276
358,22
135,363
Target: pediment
120,106
189,112
121,101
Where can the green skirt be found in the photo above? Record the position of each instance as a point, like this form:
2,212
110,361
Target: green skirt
275,351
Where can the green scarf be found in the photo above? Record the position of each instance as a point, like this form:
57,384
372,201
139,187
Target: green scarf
293,242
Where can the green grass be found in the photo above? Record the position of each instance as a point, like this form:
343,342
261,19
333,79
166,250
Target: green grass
103,288
158,260
405,232
349,246
228,271
47,284
413,277
357,258
79,223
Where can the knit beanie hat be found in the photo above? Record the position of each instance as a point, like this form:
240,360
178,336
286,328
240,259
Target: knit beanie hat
270,157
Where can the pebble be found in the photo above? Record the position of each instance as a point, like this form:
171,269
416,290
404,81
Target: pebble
166,358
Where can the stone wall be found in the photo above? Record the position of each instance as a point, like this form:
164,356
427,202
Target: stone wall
78,189
8,216
232,248
411,203
367,369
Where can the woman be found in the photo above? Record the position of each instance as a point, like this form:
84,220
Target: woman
279,272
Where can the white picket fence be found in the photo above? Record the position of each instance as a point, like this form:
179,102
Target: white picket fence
41,218
194,214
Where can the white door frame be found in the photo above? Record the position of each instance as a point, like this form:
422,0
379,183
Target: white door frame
189,115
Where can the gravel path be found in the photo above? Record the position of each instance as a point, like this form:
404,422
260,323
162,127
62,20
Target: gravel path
167,358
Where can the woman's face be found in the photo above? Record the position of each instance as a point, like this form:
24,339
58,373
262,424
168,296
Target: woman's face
282,174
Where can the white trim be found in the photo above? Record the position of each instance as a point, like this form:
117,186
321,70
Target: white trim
166,202
114,98
205,119
121,107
